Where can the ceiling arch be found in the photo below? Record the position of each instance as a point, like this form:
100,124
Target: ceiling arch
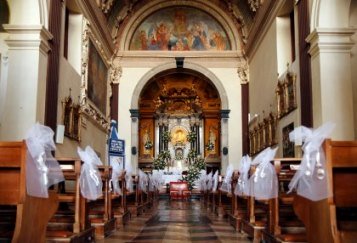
147,9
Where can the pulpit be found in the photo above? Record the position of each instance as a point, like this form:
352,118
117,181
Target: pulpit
179,190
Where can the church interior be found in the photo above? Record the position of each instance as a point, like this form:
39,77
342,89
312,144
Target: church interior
172,120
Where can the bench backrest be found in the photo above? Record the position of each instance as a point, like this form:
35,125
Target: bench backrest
12,173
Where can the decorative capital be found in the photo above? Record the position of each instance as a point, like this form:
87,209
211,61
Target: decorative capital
254,5
134,113
225,114
115,74
243,73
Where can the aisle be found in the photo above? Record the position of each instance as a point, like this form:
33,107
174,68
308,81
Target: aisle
177,221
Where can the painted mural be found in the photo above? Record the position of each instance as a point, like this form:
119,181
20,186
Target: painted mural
180,29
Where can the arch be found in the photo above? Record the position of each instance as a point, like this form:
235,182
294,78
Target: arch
188,66
330,14
221,16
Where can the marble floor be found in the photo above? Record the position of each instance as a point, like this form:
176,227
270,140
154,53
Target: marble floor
177,221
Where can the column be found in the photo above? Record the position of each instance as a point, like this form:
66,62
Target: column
330,52
134,139
224,140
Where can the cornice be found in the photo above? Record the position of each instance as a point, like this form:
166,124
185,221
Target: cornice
263,20
330,40
98,22
28,37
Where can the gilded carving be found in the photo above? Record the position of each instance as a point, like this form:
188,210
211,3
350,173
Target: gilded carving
86,106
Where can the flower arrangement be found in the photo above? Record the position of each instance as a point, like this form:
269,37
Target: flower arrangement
148,145
191,136
194,168
161,161
210,146
166,136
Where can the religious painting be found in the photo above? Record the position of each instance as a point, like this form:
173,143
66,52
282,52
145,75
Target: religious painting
288,147
180,29
97,79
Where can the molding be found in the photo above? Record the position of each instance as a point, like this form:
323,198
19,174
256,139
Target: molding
225,114
263,20
330,40
98,22
27,37
186,54
221,16
243,73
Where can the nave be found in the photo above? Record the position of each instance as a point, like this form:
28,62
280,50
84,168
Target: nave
177,221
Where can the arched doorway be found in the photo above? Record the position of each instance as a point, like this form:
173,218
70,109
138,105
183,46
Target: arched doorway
185,106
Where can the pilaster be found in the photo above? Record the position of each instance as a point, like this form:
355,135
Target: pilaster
26,84
330,50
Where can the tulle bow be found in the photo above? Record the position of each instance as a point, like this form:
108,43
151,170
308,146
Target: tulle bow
311,178
43,170
90,179
242,187
226,184
264,181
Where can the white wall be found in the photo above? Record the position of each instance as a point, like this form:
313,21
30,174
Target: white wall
263,68
75,41
283,43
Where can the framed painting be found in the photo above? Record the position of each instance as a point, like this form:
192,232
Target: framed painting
288,147
94,99
97,79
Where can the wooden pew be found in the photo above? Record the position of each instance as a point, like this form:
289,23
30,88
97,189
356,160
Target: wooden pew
71,221
119,205
239,206
256,218
32,213
100,210
283,224
334,219
134,199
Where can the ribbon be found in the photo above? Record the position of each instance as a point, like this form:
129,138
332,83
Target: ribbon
310,180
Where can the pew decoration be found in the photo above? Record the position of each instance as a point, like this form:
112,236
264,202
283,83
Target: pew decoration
310,180
144,181
264,181
226,184
215,181
43,170
209,180
156,180
116,172
203,180
242,187
90,179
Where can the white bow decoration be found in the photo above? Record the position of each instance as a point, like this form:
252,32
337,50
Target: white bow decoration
264,181
43,170
90,179
242,187
310,180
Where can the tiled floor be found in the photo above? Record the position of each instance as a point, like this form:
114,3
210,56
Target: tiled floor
177,221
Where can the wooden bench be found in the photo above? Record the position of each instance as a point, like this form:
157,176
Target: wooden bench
179,190
71,222
32,213
119,205
100,210
283,224
334,219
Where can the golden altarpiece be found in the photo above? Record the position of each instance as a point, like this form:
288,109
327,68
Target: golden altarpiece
179,113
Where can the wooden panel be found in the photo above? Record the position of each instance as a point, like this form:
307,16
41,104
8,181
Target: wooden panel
9,186
10,157
345,187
